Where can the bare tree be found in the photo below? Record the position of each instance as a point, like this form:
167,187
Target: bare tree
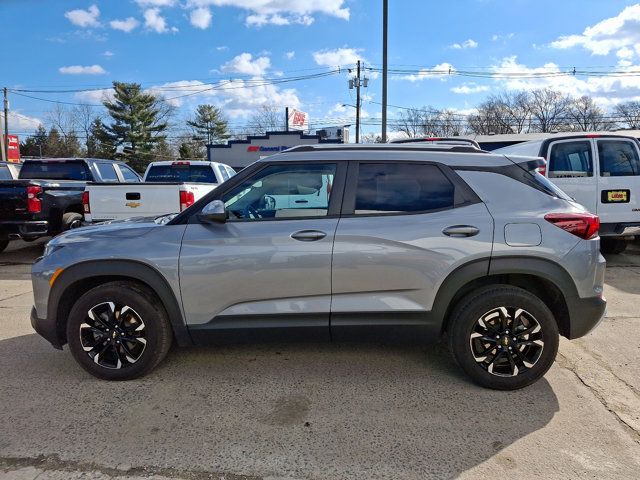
410,123
630,114
267,118
549,110
62,119
84,118
586,115
516,107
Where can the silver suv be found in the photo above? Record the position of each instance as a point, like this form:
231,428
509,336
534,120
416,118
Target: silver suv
338,242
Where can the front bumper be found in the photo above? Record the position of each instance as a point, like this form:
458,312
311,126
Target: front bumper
585,314
45,328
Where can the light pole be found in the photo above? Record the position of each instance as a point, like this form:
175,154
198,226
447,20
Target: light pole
385,20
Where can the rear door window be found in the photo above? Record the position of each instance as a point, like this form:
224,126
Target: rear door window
570,159
107,172
618,158
55,170
402,188
5,174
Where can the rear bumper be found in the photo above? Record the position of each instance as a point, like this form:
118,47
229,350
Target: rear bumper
45,328
619,229
585,314
26,228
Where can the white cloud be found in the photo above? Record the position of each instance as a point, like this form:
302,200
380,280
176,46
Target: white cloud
200,17
84,18
468,89
470,43
108,54
280,12
82,70
259,20
337,57
95,97
608,35
20,122
605,90
222,48
156,3
156,22
237,98
290,55
126,25
440,71
496,36
625,53
247,65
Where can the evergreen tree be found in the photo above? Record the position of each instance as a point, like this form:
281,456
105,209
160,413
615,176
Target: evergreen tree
138,123
99,142
209,126
36,144
58,146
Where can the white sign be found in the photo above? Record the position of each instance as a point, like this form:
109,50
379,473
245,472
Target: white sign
298,120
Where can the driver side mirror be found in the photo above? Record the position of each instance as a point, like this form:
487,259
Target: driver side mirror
214,212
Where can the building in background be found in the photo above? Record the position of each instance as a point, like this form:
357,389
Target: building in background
242,153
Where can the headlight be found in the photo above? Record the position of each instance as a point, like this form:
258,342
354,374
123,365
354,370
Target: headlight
49,249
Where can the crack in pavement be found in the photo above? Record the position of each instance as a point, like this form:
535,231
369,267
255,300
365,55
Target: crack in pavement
53,463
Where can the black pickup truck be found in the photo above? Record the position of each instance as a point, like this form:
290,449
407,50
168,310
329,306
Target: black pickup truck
46,199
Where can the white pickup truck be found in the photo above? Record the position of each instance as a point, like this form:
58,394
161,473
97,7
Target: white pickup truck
167,187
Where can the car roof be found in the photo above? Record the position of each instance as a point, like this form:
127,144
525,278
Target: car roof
183,162
452,155
71,159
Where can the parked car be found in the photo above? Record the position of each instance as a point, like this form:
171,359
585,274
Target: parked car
601,172
169,187
47,197
400,242
9,170
440,141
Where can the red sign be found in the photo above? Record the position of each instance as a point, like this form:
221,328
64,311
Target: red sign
13,154
298,120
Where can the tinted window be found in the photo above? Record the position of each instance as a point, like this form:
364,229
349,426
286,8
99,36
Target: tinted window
224,173
230,171
287,191
618,158
56,171
5,174
395,188
107,172
182,172
128,174
570,159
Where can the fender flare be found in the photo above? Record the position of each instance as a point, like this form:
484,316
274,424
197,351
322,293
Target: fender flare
132,269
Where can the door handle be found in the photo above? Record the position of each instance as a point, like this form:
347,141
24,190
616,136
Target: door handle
308,235
461,231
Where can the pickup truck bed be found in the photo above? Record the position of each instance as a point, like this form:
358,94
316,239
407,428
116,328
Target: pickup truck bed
103,202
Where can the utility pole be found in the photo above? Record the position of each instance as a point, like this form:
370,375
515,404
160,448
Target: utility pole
357,82
5,140
385,21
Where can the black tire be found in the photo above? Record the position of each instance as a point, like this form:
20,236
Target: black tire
71,220
4,242
613,245
144,308
496,371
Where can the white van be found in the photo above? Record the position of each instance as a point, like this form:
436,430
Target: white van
600,171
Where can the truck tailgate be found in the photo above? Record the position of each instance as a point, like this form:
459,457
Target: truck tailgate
13,200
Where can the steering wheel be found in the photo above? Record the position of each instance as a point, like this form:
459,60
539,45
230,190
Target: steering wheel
250,212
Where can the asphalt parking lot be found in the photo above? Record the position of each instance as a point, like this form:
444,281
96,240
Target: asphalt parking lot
318,411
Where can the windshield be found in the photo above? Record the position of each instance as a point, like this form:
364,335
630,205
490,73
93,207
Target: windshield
55,170
181,173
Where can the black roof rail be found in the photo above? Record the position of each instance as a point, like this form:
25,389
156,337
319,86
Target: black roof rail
388,146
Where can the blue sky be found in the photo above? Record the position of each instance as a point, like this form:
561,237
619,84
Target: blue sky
177,47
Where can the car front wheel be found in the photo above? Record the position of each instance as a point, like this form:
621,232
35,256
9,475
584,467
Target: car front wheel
503,337
118,331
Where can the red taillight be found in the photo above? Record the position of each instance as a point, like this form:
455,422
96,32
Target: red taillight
33,202
85,202
583,225
180,163
186,199
542,170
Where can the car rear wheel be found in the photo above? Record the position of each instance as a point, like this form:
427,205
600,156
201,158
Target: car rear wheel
4,241
612,245
503,337
71,220
118,331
